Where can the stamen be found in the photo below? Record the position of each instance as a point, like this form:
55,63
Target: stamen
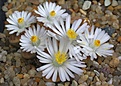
52,13
72,34
60,57
20,20
97,43
34,39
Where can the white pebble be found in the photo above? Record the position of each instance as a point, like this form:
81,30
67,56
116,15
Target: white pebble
107,2
86,5
110,81
114,3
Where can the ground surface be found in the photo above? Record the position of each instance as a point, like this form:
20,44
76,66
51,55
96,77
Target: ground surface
15,70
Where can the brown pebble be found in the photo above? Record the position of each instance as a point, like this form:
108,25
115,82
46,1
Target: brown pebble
28,55
114,62
20,76
117,7
97,24
37,79
22,0
94,2
110,8
119,39
36,2
9,5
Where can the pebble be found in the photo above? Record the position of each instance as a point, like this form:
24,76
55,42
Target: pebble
37,79
42,83
86,5
61,2
82,11
83,78
4,8
114,3
17,68
110,8
27,55
32,72
20,76
107,2
74,83
2,80
2,35
67,84
114,62
16,81
119,39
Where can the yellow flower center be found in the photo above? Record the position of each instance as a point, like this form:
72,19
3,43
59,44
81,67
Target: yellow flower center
34,39
20,20
97,43
60,57
52,13
71,34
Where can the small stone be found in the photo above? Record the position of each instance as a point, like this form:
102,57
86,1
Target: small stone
60,84
20,76
26,76
92,74
86,5
42,83
119,39
107,2
110,81
97,24
67,84
28,55
32,72
114,3
98,10
114,62
10,5
41,1
98,83
4,8
61,2
50,84
36,2
16,81
97,79
28,8
2,80
95,2
75,7
37,79
22,0
2,35
104,83
83,12
101,77
9,12
110,8
117,7
116,24
74,83
83,78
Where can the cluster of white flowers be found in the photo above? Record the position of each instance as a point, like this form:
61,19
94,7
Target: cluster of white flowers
63,46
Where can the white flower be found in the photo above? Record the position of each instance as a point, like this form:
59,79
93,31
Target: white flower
49,12
56,61
71,32
93,42
19,21
33,39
